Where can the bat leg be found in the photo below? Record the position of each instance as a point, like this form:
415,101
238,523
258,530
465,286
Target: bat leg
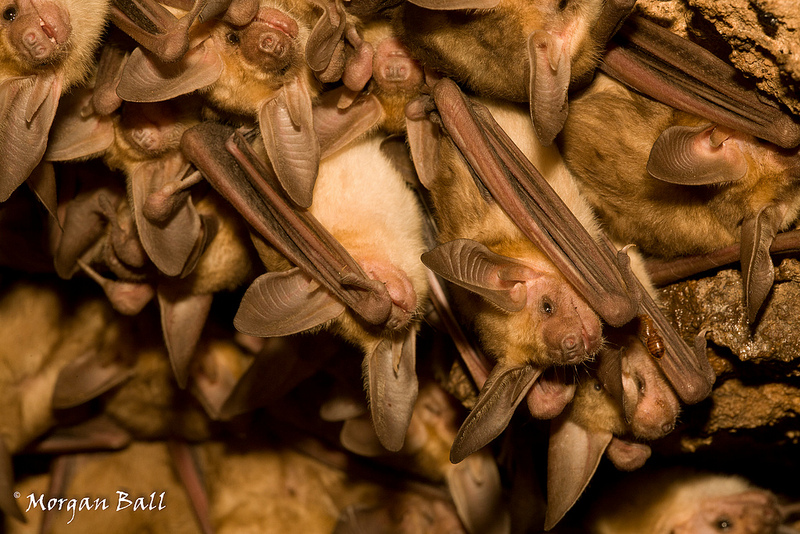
154,27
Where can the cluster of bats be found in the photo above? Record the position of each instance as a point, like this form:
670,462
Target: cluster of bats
516,174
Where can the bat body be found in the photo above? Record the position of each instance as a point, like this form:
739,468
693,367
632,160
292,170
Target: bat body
46,47
519,51
681,501
746,190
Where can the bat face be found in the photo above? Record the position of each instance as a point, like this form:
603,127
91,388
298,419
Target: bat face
260,57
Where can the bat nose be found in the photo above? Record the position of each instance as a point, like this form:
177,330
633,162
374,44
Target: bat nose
572,348
272,44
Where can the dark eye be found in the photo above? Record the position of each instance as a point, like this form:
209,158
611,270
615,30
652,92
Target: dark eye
562,4
10,13
547,307
233,38
597,386
724,524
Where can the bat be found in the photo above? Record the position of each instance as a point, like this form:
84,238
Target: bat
256,71
521,52
44,52
474,484
67,328
525,334
384,287
681,500
607,416
747,200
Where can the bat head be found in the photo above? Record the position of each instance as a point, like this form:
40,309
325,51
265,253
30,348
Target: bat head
34,34
744,513
260,57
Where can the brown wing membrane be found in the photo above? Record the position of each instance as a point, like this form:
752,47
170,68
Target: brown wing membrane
686,76
599,277
229,165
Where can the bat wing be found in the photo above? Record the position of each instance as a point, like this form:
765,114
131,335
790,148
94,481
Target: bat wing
393,387
26,114
602,278
229,165
573,455
155,27
76,134
499,397
684,75
145,78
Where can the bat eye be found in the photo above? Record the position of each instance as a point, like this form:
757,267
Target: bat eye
597,386
233,38
547,307
562,4
724,524
10,13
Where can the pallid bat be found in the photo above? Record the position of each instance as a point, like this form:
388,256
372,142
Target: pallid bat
625,401
46,47
682,501
474,484
519,51
258,71
66,328
682,185
339,264
552,325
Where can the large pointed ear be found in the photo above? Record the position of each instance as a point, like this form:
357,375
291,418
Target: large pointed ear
699,155
358,436
392,380
337,127
284,303
287,128
146,79
471,265
77,132
327,41
8,504
182,320
27,109
168,238
88,377
504,389
478,495
572,458
423,139
758,272
550,72
100,433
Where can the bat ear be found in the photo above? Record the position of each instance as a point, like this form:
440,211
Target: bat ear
423,139
28,109
128,298
392,379
146,79
337,127
100,432
550,72
77,132
238,12
287,128
284,303
105,100
8,504
471,265
550,394
700,155
572,458
88,377
478,495
758,272
627,455
358,436
504,389
182,320
327,40
169,243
